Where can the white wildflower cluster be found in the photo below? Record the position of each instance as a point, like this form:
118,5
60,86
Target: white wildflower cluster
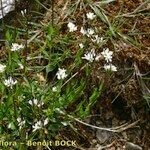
91,33
72,27
91,55
88,32
20,122
107,54
97,39
16,47
2,68
35,102
61,74
40,124
10,82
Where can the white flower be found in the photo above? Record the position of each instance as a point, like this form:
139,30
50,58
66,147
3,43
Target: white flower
37,126
90,15
11,126
30,102
16,47
83,31
81,45
23,12
40,104
21,66
28,58
18,119
61,74
71,27
90,32
90,56
107,55
2,68
35,102
97,39
45,121
10,82
110,67
20,122
54,89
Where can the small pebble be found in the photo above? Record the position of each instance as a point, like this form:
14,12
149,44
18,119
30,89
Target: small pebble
131,146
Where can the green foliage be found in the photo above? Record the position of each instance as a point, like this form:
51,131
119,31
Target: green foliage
85,106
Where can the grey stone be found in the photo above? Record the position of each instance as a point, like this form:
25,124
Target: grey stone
131,146
6,6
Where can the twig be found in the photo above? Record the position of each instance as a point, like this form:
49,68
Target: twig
107,146
115,129
128,126
121,126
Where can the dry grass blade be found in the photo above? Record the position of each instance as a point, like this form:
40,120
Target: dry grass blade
145,89
62,16
138,9
99,12
115,129
34,36
104,2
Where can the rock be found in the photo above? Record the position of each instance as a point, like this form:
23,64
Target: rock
131,146
6,6
102,136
